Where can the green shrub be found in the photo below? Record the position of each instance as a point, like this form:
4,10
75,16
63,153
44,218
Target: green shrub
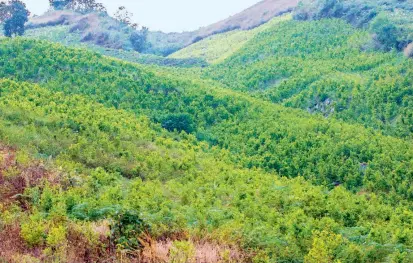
182,252
126,229
56,237
33,231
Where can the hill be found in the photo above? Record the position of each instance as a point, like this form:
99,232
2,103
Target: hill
288,142
119,167
218,47
250,18
99,29
95,28
323,67
97,32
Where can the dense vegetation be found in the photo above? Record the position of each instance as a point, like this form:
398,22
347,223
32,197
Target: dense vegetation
394,17
175,186
258,134
294,145
321,66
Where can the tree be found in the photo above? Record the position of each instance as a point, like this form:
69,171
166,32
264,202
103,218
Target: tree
138,39
179,122
86,6
386,32
14,15
125,17
59,4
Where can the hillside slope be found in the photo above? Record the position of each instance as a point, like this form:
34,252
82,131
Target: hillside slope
390,21
114,174
216,48
323,67
295,144
258,134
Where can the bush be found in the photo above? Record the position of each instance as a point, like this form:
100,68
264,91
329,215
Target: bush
126,229
182,252
56,237
33,231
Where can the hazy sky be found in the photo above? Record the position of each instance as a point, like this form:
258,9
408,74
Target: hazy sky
168,15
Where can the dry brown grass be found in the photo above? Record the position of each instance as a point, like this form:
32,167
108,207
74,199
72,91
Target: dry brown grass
16,177
12,246
408,51
158,251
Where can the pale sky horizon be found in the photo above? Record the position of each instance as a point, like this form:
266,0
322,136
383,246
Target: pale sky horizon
167,15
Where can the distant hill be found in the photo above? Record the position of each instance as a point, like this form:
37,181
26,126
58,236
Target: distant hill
250,18
92,28
73,28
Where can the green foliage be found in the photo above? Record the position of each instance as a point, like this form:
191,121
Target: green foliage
256,134
14,15
192,189
182,252
319,67
34,230
266,177
324,247
56,237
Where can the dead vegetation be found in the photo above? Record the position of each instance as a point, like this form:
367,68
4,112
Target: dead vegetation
408,51
191,251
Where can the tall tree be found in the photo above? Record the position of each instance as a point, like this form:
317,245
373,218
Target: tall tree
14,15
125,17
138,39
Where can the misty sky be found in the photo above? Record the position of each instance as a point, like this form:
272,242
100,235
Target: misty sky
167,15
